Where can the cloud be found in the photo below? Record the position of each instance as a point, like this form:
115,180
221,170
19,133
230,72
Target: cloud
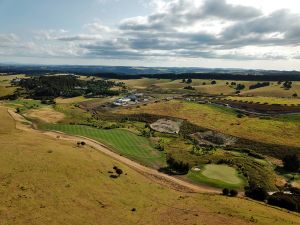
212,29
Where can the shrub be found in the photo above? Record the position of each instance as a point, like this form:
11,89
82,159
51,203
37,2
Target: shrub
287,201
233,193
119,171
291,162
259,85
225,191
256,192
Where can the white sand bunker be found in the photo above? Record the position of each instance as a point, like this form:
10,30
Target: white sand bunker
166,126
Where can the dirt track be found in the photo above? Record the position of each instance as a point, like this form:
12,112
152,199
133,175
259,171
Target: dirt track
150,173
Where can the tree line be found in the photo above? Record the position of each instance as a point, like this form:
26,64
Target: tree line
49,87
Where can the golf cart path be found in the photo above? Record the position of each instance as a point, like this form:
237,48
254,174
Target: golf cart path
154,175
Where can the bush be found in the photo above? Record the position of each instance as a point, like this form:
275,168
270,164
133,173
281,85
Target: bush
287,201
256,192
291,162
233,193
225,191
119,171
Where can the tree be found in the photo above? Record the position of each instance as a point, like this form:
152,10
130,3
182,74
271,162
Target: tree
287,201
119,171
213,82
189,81
287,85
240,87
291,163
295,95
256,192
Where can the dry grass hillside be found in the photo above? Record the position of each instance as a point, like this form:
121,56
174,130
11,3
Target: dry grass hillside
49,181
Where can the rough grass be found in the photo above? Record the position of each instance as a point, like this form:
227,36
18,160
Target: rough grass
269,100
71,100
221,176
274,90
47,181
46,114
5,87
272,131
121,140
25,104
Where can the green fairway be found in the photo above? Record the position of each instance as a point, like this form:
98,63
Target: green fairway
122,141
220,176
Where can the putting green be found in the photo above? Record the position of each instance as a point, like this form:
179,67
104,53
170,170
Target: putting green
221,172
220,176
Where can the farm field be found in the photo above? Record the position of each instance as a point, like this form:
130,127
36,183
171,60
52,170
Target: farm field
50,181
283,132
221,176
121,140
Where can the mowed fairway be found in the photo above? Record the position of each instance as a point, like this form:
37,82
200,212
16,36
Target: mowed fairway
122,141
49,181
222,119
221,176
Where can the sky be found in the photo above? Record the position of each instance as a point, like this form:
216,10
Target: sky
250,34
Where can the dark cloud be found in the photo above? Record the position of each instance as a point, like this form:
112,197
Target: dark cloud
221,9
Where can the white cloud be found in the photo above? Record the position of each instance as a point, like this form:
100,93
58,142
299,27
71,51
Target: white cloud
178,29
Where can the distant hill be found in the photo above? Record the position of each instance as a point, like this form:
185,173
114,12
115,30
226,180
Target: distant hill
113,71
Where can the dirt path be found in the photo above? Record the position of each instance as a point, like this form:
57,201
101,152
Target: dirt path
161,178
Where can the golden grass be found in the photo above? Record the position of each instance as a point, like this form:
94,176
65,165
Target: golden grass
5,87
71,100
46,114
269,100
48,181
274,90
208,116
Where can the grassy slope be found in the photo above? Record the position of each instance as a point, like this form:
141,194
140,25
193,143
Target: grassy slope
123,141
47,181
5,88
283,132
269,100
274,91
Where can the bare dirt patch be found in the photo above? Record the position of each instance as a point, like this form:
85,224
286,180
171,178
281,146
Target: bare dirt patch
47,115
166,126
